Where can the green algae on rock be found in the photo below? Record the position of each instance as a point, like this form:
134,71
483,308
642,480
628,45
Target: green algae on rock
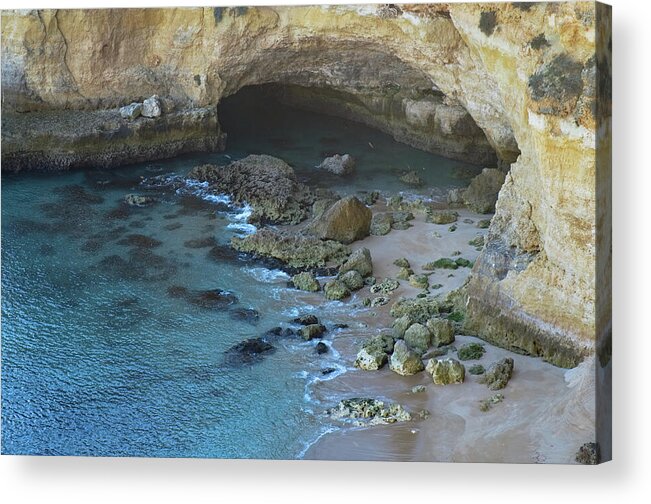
446,371
336,290
471,351
366,411
404,360
306,281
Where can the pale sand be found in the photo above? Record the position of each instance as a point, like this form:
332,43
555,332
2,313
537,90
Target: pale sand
547,413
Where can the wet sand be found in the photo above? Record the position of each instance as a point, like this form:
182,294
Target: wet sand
546,414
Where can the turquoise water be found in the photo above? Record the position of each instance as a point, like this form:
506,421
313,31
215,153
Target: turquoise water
101,357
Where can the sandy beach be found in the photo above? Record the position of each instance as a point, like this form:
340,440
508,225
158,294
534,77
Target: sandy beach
547,412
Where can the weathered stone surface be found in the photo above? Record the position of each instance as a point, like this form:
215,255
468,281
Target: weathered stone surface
312,331
402,262
385,286
345,221
499,374
400,326
442,217
365,411
131,111
442,331
446,371
412,178
381,223
471,351
306,281
419,281
294,250
139,200
481,194
352,280
338,164
588,454
360,261
266,183
418,338
151,107
336,290
405,361
375,352
307,319
419,309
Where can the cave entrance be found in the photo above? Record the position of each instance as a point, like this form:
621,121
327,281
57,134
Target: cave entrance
304,125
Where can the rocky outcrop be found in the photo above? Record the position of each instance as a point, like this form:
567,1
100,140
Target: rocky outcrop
481,194
266,183
338,164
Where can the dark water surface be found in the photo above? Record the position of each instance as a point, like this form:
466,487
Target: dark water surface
102,355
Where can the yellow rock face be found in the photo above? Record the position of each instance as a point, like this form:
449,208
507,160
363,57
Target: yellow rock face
526,73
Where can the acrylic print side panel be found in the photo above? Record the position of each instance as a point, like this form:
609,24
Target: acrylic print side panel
371,232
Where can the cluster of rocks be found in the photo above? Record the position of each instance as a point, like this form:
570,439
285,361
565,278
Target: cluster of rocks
366,411
352,275
383,222
150,108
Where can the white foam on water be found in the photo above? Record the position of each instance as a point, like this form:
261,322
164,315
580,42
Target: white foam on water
265,275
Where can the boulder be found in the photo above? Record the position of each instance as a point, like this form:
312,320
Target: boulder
418,338
405,273
308,319
248,351
419,281
138,200
306,281
345,221
381,224
338,164
412,178
374,353
405,361
442,217
151,107
499,374
336,290
352,280
321,348
446,371
131,111
481,194
402,262
312,331
365,411
400,326
385,286
360,261
442,331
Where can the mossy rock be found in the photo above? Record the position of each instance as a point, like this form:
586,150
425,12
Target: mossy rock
442,217
471,351
402,262
360,261
381,224
443,263
499,374
306,281
419,281
478,241
442,331
401,225
463,263
405,273
352,280
400,326
446,371
477,369
483,223
312,331
418,309
386,286
336,290
418,338
404,360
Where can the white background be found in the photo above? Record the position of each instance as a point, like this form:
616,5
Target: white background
103,480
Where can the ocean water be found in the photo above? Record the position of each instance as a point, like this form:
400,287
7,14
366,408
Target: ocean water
101,356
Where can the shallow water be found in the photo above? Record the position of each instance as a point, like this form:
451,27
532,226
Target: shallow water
99,359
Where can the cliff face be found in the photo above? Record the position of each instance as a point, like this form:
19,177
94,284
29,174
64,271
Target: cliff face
518,80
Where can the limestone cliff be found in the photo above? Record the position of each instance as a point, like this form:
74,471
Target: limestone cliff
519,79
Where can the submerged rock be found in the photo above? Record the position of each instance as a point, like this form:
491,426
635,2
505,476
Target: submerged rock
338,164
248,351
208,241
352,280
446,371
381,224
499,374
418,337
212,298
294,250
308,319
412,178
141,241
442,331
366,411
245,315
139,200
321,348
481,194
336,290
306,281
360,261
345,221
405,361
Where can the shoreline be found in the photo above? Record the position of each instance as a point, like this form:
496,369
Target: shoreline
519,429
